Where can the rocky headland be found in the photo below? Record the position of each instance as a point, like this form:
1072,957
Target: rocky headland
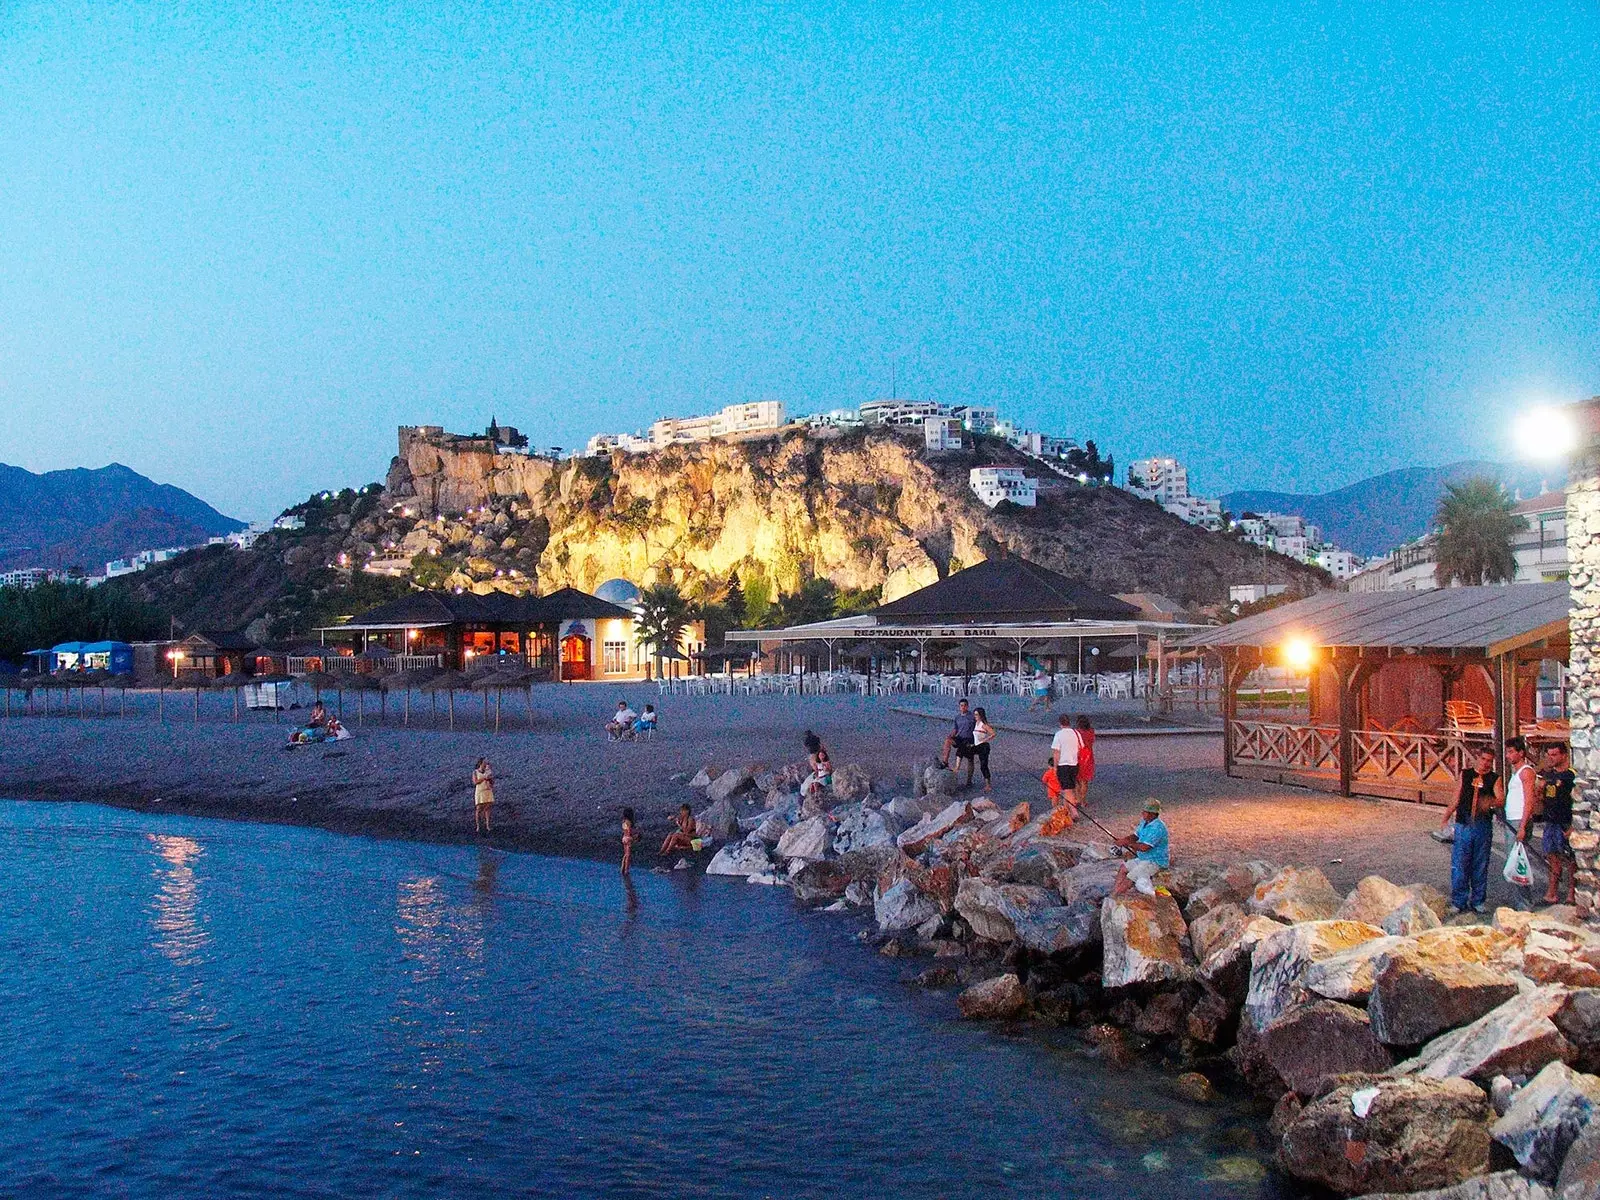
1404,1051
867,511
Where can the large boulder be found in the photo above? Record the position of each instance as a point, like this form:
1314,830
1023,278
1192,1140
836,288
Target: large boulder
771,828
1060,927
1230,885
1296,894
1145,941
1279,961
703,777
937,781
1214,927
1375,1133
1225,969
859,828
1312,1041
995,999
1579,1023
744,859
809,840
1348,976
730,783
851,782
901,906
1371,900
933,827
1414,916
818,881
1580,1173
719,822
992,908
1502,1185
1090,880
908,810
1516,1039
1568,956
1546,1117
1421,988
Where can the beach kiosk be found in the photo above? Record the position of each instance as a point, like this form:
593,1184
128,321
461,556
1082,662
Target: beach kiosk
1402,687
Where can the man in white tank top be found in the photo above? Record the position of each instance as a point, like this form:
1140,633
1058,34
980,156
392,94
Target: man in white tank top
1521,803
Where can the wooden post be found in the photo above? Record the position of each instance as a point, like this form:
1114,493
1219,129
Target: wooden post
1232,666
1345,675
1498,676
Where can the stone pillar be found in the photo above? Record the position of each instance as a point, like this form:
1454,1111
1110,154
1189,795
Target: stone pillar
1583,561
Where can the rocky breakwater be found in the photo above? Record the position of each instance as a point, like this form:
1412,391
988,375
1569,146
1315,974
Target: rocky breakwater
1403,1054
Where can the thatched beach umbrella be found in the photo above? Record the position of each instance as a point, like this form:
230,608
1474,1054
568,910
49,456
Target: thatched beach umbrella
407,682
497,681
233,683
448,682
360,684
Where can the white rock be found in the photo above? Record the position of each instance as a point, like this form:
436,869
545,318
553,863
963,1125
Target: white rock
739,858
1546,1117
808,841
902,907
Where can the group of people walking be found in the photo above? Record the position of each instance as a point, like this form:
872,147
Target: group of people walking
1526,795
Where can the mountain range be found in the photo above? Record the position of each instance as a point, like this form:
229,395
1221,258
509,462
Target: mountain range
1374,515
84,518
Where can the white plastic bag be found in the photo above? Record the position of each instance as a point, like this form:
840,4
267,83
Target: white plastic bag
1518,872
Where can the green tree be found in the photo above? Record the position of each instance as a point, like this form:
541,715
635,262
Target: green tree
1476,524
663,616
32,619
757,601
814,600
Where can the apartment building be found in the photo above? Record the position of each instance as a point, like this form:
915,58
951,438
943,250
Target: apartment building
1163,479
994,484
941,433
26,578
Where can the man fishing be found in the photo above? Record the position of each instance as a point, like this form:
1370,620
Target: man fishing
1147,846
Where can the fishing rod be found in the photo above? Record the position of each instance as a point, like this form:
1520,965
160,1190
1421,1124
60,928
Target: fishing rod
1082,810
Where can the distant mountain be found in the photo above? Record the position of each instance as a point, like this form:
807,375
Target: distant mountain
1373,516
87,517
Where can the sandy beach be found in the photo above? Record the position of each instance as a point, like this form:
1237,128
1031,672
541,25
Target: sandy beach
562,784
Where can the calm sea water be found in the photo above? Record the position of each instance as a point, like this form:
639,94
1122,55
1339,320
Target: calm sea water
209,1008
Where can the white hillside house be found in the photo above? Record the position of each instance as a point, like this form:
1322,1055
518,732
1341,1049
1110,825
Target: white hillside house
994,484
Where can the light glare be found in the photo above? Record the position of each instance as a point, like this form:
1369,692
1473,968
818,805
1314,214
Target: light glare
1297,654
1546,434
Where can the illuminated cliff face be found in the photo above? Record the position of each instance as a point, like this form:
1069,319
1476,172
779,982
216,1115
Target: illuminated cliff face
864,510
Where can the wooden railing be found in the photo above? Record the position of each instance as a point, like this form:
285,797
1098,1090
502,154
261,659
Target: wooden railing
1419,758
1296,747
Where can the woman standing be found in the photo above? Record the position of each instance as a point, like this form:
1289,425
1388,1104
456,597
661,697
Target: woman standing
982,739
1085,760
482,795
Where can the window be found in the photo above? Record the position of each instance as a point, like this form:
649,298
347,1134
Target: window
615,660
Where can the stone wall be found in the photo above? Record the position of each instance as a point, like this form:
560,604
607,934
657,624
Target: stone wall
1583,555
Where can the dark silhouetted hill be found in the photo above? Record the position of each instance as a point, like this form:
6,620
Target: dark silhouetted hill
85,517
1373,516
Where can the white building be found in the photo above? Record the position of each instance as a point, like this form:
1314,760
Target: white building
976,419
760,416
902,412
148,558
26,578
290,522
941,433
1253,593
629,443
1541,548
836,418
1164,480
994,484
1198,510
1341,564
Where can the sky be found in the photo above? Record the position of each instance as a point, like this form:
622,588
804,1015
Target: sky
1292,244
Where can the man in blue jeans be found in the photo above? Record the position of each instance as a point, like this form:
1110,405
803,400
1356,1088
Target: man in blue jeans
1476,801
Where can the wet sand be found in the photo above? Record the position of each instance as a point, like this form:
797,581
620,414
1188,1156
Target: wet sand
562,785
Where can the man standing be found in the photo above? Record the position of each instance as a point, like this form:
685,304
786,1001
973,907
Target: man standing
1062,774
961,733
1521,804
1555,793
1473,817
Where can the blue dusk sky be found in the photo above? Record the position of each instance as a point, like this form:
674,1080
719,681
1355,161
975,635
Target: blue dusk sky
1293,244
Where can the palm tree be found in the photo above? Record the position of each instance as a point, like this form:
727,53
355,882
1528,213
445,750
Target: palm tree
663,616
1476,525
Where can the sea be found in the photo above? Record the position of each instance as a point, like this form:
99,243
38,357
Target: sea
212,1008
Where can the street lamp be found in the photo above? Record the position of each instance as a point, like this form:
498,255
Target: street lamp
1546,433
1298,653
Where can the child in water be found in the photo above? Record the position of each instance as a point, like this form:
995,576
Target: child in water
629,837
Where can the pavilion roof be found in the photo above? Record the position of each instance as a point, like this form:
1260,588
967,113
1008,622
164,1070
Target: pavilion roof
1005,591
421,610
1485,621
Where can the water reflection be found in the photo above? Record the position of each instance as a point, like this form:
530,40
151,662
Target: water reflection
443,948
180,933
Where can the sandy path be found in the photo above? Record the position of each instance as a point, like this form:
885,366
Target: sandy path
562,784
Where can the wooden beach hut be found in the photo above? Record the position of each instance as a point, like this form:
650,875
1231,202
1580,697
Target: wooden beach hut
1402,686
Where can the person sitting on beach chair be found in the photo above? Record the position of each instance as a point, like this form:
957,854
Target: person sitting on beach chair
622,721
683,836
645,726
